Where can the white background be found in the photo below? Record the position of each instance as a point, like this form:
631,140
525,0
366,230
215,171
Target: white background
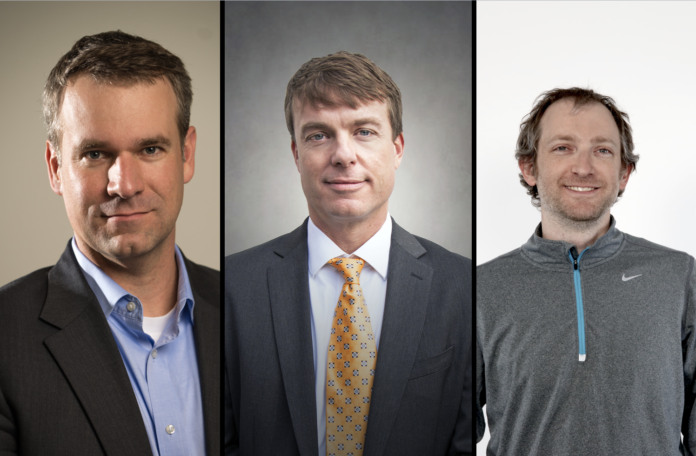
642,54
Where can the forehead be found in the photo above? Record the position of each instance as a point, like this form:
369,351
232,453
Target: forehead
590,120
338,112
110,111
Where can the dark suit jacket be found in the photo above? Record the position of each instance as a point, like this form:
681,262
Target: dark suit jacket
421,398
64,389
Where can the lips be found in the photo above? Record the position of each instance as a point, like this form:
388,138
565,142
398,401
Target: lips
345,184
126,216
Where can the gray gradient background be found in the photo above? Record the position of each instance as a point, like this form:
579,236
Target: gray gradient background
424,46
34,228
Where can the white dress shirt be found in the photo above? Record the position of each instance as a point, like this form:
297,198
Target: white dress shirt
325,284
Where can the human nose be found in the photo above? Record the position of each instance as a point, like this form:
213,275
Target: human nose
125,178
583,165
344,152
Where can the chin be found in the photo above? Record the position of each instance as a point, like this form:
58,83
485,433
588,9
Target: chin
351,210
127,246
588,214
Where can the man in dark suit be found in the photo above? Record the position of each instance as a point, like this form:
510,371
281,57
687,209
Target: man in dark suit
115,349
303,372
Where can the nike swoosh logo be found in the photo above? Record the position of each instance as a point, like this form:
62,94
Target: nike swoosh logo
626,279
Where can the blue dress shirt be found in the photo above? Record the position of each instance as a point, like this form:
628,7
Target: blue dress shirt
163,373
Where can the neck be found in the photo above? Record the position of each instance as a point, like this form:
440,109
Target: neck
350,235
580,234
153,277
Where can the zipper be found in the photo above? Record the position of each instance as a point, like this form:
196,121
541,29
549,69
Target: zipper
578,302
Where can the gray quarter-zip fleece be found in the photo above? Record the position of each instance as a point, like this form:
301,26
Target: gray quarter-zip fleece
633,391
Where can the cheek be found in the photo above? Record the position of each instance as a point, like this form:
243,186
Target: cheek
80,188
382,166
168,185
310,166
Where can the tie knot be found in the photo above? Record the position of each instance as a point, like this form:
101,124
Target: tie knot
349,267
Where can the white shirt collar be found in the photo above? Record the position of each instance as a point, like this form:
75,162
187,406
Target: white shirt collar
375,251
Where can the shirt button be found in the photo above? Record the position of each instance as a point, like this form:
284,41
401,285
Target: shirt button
154,355
130,306
170,429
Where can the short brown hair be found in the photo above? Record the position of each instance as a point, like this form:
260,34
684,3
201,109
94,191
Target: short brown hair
530,129
343,78
118,58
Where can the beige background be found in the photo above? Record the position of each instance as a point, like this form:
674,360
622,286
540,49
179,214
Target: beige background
34,229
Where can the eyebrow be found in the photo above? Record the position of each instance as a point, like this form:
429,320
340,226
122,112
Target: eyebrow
159,139
91,144
594,140
602,139
315,126
88,144
367,120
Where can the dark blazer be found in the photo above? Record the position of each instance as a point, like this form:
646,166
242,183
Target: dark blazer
64,389
421,398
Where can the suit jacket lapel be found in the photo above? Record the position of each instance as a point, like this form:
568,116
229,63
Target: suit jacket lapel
206,331
288,287
86,352
408,287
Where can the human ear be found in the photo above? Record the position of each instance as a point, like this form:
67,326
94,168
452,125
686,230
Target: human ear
528,172
53,169
399,146
189,154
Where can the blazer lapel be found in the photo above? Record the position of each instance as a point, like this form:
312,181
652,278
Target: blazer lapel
408,287
288,287
86,352
206,331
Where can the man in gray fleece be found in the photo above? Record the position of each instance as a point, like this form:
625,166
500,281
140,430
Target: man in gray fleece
585,335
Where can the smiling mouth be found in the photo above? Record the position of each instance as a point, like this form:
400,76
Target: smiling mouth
581,189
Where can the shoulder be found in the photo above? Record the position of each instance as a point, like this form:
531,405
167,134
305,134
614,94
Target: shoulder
201,273
257,259
640,244
504,261
441,257
661,260
21,303
204,280
427,251
26,288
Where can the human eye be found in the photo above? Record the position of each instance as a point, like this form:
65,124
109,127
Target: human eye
604,152
561,148
151,150
365,133
93,155
316,137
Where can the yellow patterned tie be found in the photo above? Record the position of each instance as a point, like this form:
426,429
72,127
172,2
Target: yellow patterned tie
351,365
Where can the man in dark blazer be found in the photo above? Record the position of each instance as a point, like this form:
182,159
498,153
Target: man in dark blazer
115,349
407,309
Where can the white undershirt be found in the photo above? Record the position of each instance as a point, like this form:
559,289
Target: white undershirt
325,284
155,326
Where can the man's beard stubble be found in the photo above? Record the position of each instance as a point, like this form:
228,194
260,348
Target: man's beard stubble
572,217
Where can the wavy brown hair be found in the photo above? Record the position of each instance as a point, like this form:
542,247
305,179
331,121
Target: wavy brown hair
530,129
